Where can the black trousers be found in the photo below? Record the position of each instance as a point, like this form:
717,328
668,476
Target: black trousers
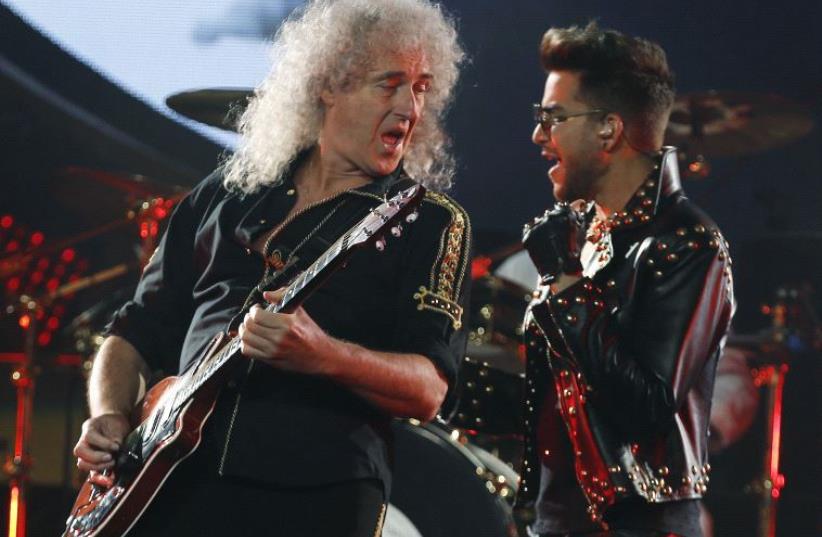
197,502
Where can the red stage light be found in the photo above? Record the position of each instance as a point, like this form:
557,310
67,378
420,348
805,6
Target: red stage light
24,322
43,263
68,255
44,339
53,323
6,221
480,267
12,246
53,284
13,284
37,238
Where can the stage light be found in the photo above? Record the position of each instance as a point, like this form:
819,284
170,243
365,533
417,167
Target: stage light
36,238
44,338
14,504
13,284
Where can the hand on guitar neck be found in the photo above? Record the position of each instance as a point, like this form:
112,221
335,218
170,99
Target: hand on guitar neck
401,384
288,341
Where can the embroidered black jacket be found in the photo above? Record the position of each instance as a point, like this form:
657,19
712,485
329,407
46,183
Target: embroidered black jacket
283,428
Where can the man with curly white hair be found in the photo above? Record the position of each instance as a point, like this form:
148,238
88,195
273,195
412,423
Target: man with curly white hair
300,442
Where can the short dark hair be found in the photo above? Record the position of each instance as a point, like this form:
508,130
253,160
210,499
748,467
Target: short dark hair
622,74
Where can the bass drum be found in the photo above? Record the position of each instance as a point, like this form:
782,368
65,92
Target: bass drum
444,489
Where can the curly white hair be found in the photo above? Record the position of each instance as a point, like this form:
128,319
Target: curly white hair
328,44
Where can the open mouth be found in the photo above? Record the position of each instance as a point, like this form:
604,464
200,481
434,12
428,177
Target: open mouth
554,163
393,138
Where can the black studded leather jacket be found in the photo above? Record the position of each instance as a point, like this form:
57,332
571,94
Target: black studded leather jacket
627,356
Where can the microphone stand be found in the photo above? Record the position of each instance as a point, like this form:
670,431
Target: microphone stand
18,464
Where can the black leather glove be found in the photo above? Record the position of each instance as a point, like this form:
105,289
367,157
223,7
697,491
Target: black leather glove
555,240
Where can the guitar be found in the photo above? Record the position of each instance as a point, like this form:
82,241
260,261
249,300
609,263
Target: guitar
172,415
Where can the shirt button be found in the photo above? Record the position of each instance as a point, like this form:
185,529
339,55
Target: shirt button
291,192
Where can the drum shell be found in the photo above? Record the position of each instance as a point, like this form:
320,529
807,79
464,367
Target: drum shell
445,489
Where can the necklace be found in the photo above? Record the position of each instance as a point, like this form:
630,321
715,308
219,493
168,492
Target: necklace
273,259
598,229
598,249
275,265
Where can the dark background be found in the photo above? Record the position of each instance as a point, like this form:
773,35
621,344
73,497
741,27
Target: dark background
56,112
768,47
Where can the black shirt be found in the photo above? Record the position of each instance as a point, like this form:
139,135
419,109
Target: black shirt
284,428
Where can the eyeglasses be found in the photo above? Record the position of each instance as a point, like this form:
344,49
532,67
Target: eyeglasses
547,117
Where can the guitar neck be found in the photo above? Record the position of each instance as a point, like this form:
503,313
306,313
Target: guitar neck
311,278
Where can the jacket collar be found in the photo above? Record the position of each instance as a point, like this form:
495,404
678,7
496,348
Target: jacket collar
261,203
662,182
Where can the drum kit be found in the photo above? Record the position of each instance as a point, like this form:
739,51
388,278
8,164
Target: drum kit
456,476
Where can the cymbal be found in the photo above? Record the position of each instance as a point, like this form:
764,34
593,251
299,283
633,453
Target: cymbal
732,123
106,194
133,184
218,107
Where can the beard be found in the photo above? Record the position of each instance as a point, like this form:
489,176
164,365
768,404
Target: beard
580,182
